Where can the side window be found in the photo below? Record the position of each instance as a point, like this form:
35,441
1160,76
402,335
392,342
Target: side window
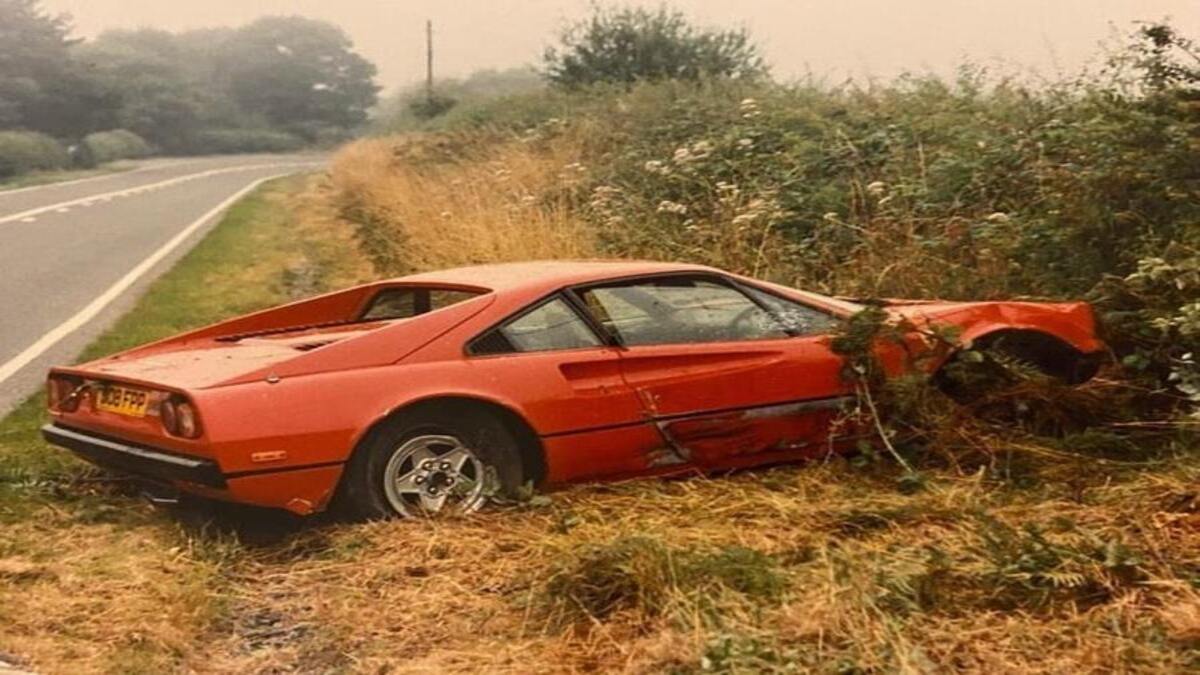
674,310
551,326
795,317
405,303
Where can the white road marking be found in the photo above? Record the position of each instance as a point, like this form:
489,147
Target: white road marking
113,174
93,308
61,207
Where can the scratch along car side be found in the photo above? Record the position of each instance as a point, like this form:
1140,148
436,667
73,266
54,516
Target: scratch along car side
428,393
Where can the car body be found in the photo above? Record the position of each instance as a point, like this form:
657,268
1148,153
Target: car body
595,370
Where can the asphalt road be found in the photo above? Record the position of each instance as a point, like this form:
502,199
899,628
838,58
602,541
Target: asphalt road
74,256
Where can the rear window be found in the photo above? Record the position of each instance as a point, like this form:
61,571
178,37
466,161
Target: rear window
405,303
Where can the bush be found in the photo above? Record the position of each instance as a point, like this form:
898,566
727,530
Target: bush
109,146
25,151
231,141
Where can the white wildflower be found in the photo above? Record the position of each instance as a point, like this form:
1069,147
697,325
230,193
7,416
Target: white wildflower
745,143
657,167
668,206
998,217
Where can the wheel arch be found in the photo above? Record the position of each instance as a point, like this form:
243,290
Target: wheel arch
533,456
1051,353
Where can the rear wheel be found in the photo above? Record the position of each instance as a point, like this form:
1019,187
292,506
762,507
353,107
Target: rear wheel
432,462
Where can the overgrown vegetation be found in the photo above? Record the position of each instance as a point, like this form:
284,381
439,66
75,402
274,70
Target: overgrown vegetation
978,188
1000,508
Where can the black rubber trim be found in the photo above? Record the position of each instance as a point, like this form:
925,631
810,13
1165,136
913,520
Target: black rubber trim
135,459
282,469
823,402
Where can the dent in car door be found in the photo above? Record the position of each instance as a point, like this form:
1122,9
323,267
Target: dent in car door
730,404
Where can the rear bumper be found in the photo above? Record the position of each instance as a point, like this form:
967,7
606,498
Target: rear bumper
135,459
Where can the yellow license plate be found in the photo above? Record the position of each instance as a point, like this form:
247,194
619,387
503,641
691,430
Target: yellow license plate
123,401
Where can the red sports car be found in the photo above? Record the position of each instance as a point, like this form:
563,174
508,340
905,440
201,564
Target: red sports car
431,393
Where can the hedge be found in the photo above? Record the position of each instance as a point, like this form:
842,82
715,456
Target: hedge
109,146
229,141
24,151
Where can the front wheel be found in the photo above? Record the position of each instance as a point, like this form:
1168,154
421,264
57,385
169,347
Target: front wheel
433,462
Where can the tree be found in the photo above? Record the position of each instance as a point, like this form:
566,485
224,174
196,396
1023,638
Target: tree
632,44
146,75
300,74
40,86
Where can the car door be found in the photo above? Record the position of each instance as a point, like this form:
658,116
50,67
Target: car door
730,375
567,381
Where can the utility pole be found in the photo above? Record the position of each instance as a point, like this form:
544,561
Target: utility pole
429,61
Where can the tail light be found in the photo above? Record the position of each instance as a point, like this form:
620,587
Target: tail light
63,393
179,417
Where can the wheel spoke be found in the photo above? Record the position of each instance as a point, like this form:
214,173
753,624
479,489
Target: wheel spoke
458,458
406,484
419,455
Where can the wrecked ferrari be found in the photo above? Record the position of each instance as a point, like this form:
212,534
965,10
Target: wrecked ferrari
433,393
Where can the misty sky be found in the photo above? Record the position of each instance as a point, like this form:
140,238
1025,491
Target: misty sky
830,38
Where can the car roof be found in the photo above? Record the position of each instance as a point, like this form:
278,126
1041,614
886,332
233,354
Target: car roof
545,274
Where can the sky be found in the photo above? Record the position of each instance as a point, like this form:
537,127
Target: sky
830,39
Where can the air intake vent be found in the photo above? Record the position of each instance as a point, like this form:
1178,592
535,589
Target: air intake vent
309,346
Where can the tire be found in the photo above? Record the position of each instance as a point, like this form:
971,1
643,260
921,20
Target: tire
412,463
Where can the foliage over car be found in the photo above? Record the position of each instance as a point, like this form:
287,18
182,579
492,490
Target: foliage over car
981,186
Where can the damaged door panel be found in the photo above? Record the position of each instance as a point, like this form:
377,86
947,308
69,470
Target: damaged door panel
721,372
720,401
799,428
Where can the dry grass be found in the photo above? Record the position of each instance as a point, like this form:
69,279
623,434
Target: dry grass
871,580
422,215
